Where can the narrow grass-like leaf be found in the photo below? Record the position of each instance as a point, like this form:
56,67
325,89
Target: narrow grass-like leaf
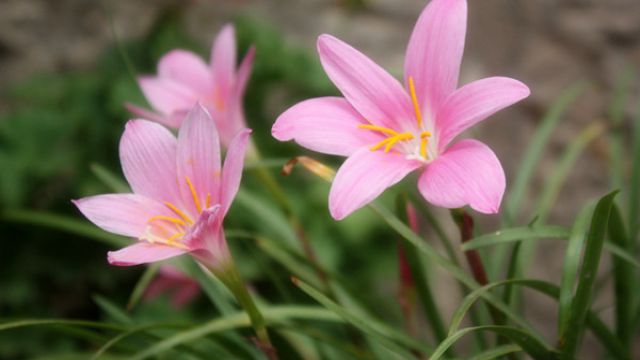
59,322
419,278
559,174
571,264
422,207
296,267
64,223
525,340
112,310
497,352
141,285
535,149
581,302
516,234
112,181
616,117
217,293
624,279
385,335
593,322
273,315
634,184
446,264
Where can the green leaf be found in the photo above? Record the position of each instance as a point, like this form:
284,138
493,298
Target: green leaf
624,278
525,340
582,300
112,181
535,150
560,172
497,352
112,310
273,315
385,335
64,223
634,184
571,264
516,234
141,285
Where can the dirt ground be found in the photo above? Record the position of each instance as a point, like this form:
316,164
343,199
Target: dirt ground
548,44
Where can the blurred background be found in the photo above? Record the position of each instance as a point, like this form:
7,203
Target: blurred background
67,67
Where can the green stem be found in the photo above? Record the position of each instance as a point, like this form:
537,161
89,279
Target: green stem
232,280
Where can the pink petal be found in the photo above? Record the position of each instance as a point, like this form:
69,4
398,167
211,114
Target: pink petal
167,96
187,69
370,89
167,120
244,72
434,53
143,253
328,125
199,159
364,176
232,169
223,58
123,214
467,173
475,102
148,158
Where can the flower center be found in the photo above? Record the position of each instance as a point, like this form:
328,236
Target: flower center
419,148
169,230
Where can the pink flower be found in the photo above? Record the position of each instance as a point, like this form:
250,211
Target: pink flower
180,192
184,79
387,130
170,280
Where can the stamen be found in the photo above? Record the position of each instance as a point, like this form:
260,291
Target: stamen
194,195
378,128
395,139
179,212
174,237
423,143
414,98
207,203
167,218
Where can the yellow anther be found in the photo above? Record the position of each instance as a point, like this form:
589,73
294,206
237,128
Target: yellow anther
414,98
179,212
378,128
207,203
167,218
194,195
395,139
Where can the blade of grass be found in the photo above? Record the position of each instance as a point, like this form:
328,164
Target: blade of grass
392,339
141,285
624,279
568,341
237,320
516,234
109,179
525,340
497,352
634,185
571,264
535,150
64,223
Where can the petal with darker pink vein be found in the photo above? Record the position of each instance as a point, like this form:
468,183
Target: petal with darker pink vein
198,160
148,157
143,253
468,173
363,177
434,53
187,69
167,96
475,102
232,169
372,91
328,125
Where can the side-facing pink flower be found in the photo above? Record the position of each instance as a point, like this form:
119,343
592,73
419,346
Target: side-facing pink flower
387,130
181,192
184,80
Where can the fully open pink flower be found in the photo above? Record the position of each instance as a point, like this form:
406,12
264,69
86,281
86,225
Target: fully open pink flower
184,79
388,130
180,191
